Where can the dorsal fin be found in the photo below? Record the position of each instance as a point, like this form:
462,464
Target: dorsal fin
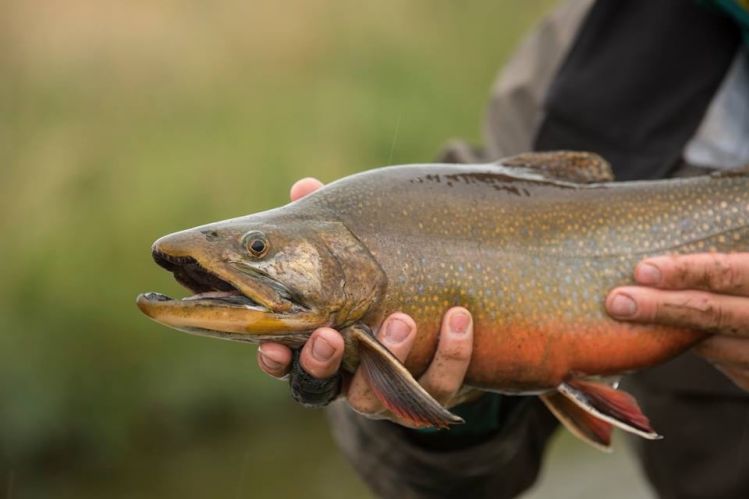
571,166
741,171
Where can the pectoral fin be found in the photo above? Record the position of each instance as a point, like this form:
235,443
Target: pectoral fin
579,422
396,388
613,406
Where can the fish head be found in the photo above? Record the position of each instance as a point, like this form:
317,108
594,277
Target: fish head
267,276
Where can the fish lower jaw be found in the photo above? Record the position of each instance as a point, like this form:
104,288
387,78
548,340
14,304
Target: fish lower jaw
230,316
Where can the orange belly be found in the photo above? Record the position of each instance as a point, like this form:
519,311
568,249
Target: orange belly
530,358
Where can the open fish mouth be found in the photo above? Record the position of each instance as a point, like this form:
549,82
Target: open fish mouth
208,287
235,302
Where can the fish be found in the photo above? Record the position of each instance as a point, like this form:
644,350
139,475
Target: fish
530,244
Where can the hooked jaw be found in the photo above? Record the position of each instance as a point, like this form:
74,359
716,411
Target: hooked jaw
240,306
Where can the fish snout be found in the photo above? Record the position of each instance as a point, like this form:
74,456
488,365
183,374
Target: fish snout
176,246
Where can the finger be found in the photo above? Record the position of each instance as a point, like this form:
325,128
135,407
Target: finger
397,334
727,350
739,376
321,355
274,359
303,187
445,374
699,310
720,272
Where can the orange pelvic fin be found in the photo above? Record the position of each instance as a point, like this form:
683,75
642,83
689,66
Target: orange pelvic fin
579,422
396,388
613,406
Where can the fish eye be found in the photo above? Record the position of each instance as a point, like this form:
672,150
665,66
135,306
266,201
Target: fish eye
257,244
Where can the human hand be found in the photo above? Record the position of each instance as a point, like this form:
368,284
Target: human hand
322,354
707,292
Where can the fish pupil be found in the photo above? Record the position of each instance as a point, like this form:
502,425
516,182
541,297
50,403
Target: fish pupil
257,246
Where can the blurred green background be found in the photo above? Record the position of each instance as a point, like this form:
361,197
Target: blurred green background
123,121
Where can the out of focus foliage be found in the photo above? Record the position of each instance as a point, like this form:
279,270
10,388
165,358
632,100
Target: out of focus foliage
123,121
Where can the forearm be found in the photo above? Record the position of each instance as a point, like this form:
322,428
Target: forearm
396,462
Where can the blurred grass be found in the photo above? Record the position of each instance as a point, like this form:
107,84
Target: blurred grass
123,121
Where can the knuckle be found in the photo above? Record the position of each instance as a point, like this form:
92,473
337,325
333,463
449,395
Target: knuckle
455,351
445,375
692,310
715,317
722,273
710,312
680,272
704,311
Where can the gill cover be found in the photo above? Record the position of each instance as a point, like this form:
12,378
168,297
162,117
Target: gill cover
321,266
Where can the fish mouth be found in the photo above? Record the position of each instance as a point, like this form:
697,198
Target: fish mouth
234,301
209,287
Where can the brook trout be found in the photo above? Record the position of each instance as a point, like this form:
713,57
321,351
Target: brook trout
530,245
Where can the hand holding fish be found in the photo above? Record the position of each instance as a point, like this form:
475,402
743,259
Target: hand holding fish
321,356
707,291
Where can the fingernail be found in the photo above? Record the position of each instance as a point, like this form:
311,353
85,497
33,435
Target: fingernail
396,331
459,322
268,362
648,273
622,306
321,349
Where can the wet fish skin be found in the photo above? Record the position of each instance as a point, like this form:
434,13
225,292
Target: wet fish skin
531,246
532,259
